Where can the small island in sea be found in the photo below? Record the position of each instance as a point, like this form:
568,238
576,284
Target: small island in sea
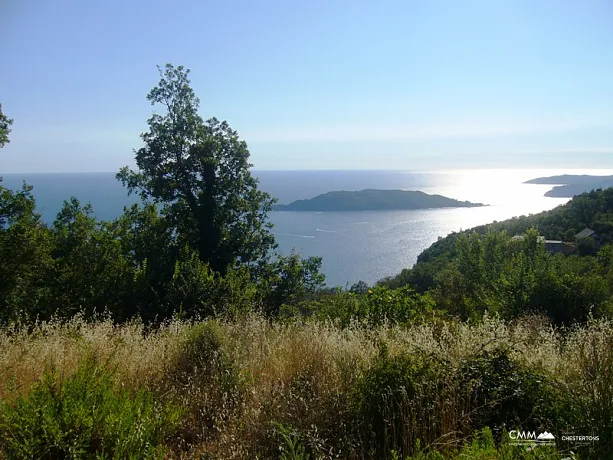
374,200
569,185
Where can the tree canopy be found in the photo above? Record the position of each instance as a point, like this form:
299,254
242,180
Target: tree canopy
5,128
199,172
200,244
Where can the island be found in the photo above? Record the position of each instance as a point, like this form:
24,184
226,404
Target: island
569,185
374,200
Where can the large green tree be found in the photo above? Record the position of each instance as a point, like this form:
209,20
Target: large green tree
199,172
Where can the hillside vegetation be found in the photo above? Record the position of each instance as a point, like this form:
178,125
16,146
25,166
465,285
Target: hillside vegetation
485,269
251,388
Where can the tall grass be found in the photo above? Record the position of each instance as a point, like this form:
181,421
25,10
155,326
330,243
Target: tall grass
255,388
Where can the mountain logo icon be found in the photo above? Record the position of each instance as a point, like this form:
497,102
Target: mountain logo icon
546,436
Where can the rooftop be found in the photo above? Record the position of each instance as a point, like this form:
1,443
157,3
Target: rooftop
585,233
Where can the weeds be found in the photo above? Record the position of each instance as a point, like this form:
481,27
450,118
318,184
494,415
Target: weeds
248,386
84,414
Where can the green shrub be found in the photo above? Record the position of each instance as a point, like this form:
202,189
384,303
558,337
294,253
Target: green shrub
395,306
290,447
397,401
204,358
195,291
84,416
341,307
505,394
379,305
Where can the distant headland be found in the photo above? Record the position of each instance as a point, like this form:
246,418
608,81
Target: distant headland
569,185
374,200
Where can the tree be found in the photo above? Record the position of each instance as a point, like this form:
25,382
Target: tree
288,279
361,287
5,128
92,274
27,266
198,171
587,246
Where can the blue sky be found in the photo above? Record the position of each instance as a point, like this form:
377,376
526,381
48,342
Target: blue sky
318,84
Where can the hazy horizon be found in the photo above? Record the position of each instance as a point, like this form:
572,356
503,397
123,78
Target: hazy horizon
329,86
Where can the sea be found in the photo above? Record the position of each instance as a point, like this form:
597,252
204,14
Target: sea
354,246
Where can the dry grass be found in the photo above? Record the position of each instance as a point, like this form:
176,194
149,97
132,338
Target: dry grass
300,375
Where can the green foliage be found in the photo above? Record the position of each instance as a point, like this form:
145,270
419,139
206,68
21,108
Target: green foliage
17,206
587,246
504,393
290,447
475,271
424,275
339,306
591,210
512,277
147,241
401,306
404,405
5,128
199,244
192,289
203,353
199,171
92,274
26,271
361,287
130,266
85,416
378,305
395,400
288,280
570,297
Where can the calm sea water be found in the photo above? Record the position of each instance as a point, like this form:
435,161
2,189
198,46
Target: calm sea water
355,246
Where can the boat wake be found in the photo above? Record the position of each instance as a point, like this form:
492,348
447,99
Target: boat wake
294,235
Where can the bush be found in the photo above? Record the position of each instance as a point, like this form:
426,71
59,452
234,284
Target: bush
504,394
85,415
397,401
378,306
196,292
395,306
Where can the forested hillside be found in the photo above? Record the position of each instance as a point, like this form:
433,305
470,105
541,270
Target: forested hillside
374,200
486,269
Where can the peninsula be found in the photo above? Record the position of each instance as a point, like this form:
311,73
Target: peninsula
374,200
569,185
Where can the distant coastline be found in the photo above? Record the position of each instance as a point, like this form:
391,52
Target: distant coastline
374,200
569,185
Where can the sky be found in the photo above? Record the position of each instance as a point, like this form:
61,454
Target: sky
318,84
